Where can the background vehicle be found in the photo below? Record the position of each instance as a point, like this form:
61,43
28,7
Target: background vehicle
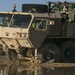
46,32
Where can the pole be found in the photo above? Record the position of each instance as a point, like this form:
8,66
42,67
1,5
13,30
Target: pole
35,54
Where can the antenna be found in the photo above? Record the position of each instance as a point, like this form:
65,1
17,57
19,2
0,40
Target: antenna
46,1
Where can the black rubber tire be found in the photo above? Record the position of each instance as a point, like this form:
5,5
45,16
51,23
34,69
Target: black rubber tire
13,55
40,8
25,52
2,52
50,49
29,53
68,52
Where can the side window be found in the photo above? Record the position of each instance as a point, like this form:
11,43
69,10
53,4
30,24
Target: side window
39,24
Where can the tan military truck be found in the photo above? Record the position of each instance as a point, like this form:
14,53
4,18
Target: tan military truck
46,32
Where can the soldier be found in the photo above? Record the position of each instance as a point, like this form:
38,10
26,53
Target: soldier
33,25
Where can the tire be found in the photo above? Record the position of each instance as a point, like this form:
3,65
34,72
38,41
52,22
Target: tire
50,52
13,55
68,52
29,53
37,8
2,52
25,52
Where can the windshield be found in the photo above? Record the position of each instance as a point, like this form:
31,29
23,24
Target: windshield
15,20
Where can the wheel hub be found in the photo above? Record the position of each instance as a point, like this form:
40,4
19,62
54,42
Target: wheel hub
49,55
68,53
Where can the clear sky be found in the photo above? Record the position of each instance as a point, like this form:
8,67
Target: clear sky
7,5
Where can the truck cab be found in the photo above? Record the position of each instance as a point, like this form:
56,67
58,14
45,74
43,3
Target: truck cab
14,29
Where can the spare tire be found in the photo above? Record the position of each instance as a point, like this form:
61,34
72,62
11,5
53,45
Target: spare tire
35,8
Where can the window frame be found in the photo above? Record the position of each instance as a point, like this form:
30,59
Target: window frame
45,23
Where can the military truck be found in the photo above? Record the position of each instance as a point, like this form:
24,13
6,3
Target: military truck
43,31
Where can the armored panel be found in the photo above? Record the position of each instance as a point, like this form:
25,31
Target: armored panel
55,29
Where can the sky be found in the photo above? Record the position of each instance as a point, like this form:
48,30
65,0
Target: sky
7,5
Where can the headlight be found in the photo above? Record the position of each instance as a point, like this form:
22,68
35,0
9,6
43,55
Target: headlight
22,35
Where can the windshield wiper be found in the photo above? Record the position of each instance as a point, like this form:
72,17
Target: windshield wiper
39,24
11,21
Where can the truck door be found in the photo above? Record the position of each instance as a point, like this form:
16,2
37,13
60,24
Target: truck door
38,32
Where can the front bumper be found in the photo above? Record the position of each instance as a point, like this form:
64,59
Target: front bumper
11,43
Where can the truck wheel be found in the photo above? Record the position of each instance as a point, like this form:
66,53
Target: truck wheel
29,53
39,8
25,52
12,55
68,52
50,52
